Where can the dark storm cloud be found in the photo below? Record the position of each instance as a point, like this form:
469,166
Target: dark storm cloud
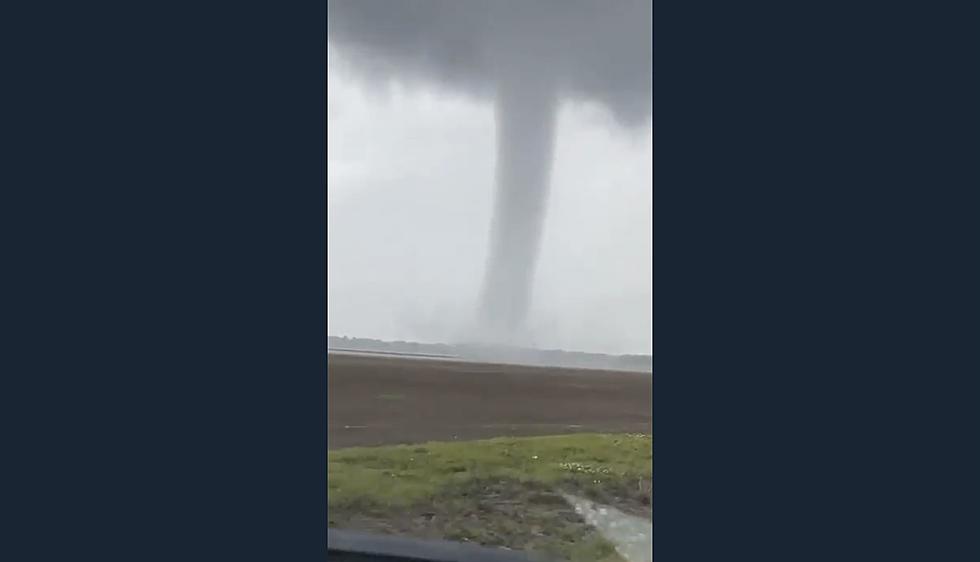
600,50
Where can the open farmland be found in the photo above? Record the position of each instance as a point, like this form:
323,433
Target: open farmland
381,400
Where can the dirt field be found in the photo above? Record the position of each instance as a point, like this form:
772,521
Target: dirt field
390,400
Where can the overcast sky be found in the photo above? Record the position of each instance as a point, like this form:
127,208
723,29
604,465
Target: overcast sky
409,202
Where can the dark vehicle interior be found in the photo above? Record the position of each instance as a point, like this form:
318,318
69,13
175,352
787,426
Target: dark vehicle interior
348,546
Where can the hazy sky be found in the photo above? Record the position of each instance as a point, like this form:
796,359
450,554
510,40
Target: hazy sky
410,197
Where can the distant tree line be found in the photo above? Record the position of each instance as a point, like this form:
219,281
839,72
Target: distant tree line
551,357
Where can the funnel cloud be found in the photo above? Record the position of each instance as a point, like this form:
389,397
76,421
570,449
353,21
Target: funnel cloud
525,56
525,112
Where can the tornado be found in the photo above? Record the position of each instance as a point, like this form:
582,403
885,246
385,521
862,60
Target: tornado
527,56
526,108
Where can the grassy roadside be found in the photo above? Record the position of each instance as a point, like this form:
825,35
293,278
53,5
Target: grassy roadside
497,492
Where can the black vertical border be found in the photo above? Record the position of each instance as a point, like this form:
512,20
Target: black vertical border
816,306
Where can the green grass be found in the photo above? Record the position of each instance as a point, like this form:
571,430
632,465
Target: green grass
497,492
402,474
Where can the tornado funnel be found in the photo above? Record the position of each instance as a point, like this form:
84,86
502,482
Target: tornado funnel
525,130
527,55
